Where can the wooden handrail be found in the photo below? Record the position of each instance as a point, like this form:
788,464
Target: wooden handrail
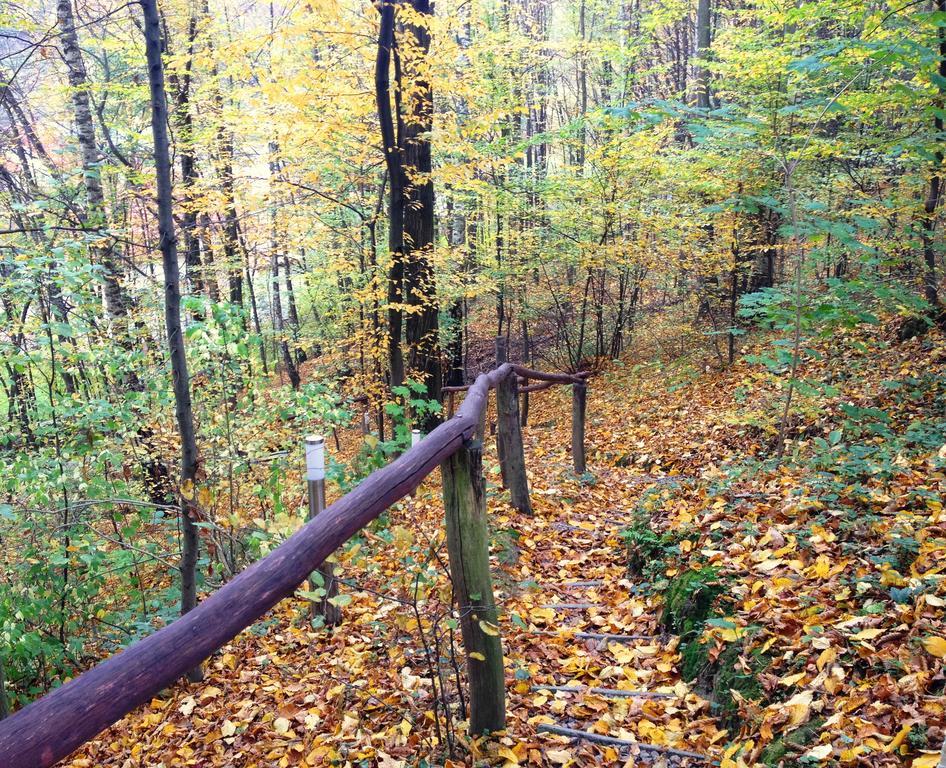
53,726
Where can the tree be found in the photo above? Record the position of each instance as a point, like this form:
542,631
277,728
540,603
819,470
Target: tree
167,242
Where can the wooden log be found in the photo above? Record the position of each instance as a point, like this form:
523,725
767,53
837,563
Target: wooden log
609,693
537,387
606,636
579,399
556,378
52,727
598,738
512,459
464,502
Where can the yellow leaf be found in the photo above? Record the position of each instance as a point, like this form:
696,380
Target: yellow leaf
187,489
927,760
281,725
820,752
897,740
868,634
559,756
489,628
228,728
478,656
935,646
790,680
827,656
799,707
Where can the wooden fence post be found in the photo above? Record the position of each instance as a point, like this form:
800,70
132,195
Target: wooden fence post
315,481
512,460
502,356
464,502
579,398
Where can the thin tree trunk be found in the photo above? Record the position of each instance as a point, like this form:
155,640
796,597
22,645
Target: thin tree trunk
928,232
172,313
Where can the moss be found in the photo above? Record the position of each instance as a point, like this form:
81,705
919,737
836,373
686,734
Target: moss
688,601
732,675
801,737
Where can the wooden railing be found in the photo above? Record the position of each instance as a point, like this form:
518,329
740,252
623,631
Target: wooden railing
55,725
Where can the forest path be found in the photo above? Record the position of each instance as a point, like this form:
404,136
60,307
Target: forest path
594,674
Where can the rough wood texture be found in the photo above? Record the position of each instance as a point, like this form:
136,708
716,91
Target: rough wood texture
464,502
579,398
50,728
598,738
502,356
512,459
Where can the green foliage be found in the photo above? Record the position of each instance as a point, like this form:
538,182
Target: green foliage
689,600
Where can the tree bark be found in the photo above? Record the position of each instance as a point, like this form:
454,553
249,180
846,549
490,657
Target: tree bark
935,191
393,159
703,42
422,329
116,299
172,314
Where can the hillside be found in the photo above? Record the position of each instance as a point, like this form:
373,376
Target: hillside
782,615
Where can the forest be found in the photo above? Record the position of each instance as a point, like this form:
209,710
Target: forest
481,382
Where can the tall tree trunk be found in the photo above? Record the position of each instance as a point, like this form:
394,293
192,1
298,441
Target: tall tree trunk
280,327
116,299
703,41
935,192
422,331
172,313
188,155
392,157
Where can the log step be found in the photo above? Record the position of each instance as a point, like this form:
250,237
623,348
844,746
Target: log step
611,693
595,636
598,738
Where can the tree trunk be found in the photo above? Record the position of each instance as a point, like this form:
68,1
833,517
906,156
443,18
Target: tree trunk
172,313
703,42
394,161
288,360
422,329
928,232
116,300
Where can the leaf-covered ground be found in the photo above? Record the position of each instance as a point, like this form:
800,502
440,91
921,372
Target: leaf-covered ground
785,615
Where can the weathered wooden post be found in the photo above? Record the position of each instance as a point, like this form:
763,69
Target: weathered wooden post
315,480
579,398
502,356
464,502
512,460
